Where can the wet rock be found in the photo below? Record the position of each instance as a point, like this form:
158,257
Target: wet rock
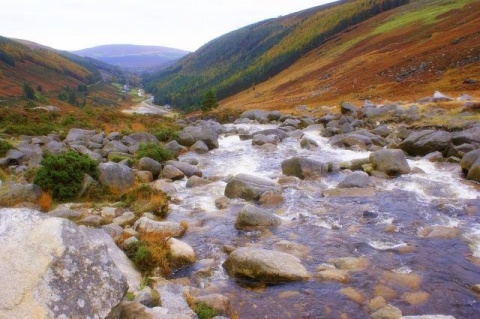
410,281
356,179
308,144
265,265
416,298
191,134
195,181
387,312
349,192
175,149
337,275
171,172
187,169
222,202
116,176
250,187
391,162
292,248
181,253
164,186
218,302
353,295
439,232
427,141
148,297
165,228
350,263
13,193
151,165
376,304
275,131
428,317
51,269
305,168
199,147
434,157
471,165
251,217
270,199
260,139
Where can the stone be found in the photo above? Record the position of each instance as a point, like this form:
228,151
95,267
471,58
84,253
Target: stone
338,275
218,302
350,263
349,192
52,269
187,169
348,109
222,202
353,295
172,298
13,193
191,134
151,165
292,248
274,131
270,199
148,297
79,135
376,304
174,148
256,115
387,312
113,230
440,97
181,253
356,179
115,146
260,139
65,212
144,177
144,137
305,168
250,187
54,147
171,172
91,220
308,144
416,298
265,265
125,219
199,147
427,141
444,232
165,228
391,162
253,217
470,165
164,186
116,176
428,317
195,181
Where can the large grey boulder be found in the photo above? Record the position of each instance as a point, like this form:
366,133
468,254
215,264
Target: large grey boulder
260,139
391,162
174,148
143,137
76,135
305,168
115,146
204,133
166,228
199,147
260,116
265,265
348,109
171,172
187,169
181,253
13,193
356,179
116,176
281,134
471,165
251,217
249,187
50,268
151,165
426,142
468,136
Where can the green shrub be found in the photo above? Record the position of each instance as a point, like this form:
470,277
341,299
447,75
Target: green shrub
204,311
166,134
4,147
154,151
62,174
142,257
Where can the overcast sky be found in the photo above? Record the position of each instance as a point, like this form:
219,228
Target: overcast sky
182,24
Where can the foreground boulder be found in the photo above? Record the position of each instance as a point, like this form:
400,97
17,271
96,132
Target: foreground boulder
250,187
251,217
265,265
306,168
428,141
51,269
471,165
391,162
191,134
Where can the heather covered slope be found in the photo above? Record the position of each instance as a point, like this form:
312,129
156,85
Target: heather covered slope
406,53
240,59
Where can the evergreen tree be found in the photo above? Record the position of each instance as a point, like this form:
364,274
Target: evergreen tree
209,101
28,91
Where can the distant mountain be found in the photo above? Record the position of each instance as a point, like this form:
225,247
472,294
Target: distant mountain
134,57
243,58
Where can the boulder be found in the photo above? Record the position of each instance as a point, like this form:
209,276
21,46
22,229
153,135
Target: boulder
471,165
391,162
165,228
260,139
125,219
54,147
164,186
468,136
249,187
143,137
191,134
218,302
308,144
305,168
428,317
199,147
274,131
187,169
195,181
151,165
116,176
256,115
148,297
13,193
356,179
52,269
85,151
76,135
171,172
348,109
174,148
252,217
427,141
440,97
181,253
387,312
265,265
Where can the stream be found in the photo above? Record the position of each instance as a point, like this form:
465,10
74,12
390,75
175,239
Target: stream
417,274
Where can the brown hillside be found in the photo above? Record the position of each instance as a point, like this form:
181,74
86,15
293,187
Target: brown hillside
403,54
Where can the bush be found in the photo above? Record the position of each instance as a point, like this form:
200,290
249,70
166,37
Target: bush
140,254
148,253
166,134
4,147
154,151
62,174
204,311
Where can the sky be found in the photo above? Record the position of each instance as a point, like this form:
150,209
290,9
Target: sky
181,24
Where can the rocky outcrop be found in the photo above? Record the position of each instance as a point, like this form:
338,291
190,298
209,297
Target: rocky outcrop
391,162
51,269
249,187
306,168
428,141
265,265
116,176
253,217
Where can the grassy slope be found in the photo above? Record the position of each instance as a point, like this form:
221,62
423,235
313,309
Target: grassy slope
405,53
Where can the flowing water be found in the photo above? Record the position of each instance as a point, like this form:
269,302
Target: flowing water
418,274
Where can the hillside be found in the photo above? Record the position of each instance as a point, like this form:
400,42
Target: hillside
406,53
134,57
250,55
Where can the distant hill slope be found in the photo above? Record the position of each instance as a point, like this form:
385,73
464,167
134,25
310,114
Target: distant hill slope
251,55
23,62
133,57
406,53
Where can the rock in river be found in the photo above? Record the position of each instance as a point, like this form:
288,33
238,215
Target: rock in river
249,187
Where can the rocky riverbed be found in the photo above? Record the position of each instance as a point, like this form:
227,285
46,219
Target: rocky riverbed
287,217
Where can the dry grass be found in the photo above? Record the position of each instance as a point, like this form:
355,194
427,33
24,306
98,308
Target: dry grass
45,202
157,244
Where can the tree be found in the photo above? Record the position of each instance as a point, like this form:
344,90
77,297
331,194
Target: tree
28,92
209,101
